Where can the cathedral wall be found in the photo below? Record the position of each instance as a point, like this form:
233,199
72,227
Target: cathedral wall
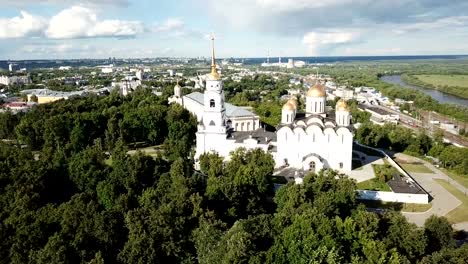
335,148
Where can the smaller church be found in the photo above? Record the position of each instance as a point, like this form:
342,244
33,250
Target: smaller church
319,138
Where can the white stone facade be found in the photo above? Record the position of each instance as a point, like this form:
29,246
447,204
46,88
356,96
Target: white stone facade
307,141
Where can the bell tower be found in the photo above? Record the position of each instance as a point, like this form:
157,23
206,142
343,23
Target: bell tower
214,113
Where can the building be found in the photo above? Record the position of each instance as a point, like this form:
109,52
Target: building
315,139
11,80
45,96
380,116
307,141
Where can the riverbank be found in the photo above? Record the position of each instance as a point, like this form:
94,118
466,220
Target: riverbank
450,84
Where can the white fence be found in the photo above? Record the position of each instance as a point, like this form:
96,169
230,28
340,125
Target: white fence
393,197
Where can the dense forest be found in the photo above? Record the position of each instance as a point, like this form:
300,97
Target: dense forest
71,193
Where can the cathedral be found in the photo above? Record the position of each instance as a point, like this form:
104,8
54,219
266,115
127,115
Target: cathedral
317,139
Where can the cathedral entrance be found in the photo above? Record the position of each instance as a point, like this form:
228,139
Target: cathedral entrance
312,163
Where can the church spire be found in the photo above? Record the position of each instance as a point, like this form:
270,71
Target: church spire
214,72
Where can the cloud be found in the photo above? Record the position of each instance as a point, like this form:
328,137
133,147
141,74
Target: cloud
82,22
176,28
171,24
56,49
21,26
318,42
65,2
301,16
452,22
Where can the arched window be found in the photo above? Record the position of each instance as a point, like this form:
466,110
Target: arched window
229,123
237,126
253,126
212,123
242,126
248,126
212,103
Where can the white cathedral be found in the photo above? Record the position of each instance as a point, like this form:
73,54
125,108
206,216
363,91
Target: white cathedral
307,141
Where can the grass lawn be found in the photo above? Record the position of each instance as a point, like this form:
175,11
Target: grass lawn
459,214
441,80
414,167
374,185
460,178
402,207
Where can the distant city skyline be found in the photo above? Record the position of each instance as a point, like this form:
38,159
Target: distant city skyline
69,29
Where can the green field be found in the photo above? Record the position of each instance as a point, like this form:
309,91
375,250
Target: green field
459,214
451,84
441,80
374,185
415,167
460,178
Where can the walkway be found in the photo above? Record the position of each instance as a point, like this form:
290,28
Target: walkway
366,172
443,201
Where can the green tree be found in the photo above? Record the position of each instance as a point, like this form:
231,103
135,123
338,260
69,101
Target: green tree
439,232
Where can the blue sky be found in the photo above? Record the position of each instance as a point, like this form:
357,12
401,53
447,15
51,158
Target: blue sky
61,29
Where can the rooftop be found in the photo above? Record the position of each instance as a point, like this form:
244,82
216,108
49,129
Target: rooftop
231,110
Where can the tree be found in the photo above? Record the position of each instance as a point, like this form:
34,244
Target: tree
439,232
34,98
181,132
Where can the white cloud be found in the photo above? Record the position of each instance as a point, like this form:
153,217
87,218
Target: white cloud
21,26
74,22
318,41
171,24
82,22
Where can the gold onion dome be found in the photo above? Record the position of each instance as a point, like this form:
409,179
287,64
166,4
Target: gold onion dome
214,75
316,91
341,105
288,106
293,101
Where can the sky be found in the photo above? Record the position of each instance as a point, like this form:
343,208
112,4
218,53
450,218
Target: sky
71,29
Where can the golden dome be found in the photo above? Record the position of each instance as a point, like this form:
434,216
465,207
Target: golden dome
214,75
293,101
288,107
316,91
341,105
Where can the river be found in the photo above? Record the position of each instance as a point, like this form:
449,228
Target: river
437,95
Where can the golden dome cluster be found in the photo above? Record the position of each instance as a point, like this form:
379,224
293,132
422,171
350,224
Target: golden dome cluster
341,105
317,90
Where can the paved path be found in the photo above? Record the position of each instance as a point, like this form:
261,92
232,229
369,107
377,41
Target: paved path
443,201
366,172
